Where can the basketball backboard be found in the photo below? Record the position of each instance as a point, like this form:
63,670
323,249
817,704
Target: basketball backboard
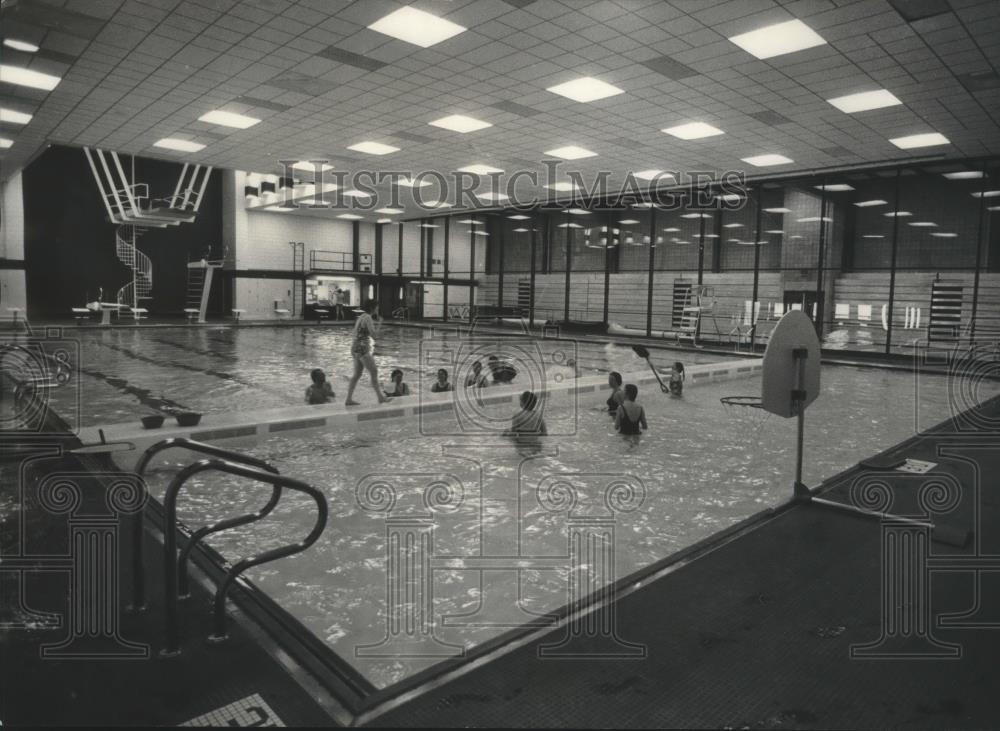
794,332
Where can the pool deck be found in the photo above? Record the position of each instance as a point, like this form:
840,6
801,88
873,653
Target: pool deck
753,628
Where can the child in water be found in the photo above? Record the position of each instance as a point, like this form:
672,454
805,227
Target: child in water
527,422
617,395
320,391
631,417
441,384
398,387
676,382
476,379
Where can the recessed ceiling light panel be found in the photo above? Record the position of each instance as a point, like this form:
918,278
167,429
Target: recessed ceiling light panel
586,89
693,131
767,160
865,101
571,152
373,148
460,123
416,27
173,143
778,39
926,139
229,119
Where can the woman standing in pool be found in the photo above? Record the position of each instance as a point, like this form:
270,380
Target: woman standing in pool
361,348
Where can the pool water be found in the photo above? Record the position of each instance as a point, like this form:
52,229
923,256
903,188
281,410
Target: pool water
125,373
696,471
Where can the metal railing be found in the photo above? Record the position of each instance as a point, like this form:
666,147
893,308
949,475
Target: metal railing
339,261
138,566
170,563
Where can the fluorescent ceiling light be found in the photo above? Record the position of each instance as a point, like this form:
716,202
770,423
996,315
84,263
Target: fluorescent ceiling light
643,204
711,236
693,131
777,210
520,230
13,117
384,220
865,100
437,204
571,152
927,139
569,225
308,167
478,169
519,217
350,216
355,193
986,194
628,221
730,197
172,143
471,221
460,123
766,160
416,27
389,211
25,77
586,89
873,236
814,219
429,225
411,183
774,231
964,175
988,208
835,187
696,215
578,211
733,225
5,143
373,148
653,174
897,214
866,204
20,45
923,224
942,235
671,230
480,233
562,186
778,39
229,119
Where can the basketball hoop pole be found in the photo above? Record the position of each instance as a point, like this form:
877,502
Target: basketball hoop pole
799,395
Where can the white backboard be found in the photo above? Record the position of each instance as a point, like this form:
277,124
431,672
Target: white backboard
793,332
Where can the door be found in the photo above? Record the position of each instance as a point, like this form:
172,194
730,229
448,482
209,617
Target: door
415,299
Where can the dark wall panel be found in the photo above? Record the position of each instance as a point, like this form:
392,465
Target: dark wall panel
70,244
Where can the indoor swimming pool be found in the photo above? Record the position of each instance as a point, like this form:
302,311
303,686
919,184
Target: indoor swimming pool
695,472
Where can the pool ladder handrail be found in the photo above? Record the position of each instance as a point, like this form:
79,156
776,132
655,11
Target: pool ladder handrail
138,566
170,564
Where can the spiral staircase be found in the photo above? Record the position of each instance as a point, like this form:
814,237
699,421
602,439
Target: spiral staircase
129,205
139,289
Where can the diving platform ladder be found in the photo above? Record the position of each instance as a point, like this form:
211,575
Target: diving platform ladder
945,320
199,285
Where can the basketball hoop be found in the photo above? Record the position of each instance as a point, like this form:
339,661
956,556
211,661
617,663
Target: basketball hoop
748,412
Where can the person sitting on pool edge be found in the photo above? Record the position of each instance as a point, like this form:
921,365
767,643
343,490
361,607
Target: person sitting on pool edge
617,395
527,422
476,379
320,391
503,372
631,417
676,382
441,384
398,387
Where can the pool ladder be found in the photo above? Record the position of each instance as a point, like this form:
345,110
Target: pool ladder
176,585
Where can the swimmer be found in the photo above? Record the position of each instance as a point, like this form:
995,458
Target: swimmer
361,350
527,422
502,371
631,417
676,382
398,387
617,395
320,391
476,379
441,384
